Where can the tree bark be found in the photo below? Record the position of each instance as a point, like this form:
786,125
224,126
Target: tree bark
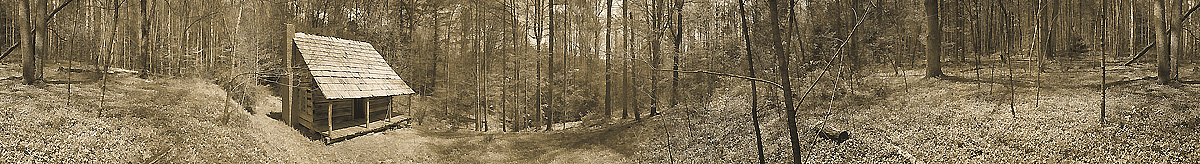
1174,9
607,66
550,70
829,132
144,40
678,52
27,46
933,49
655,49
781,56
1162,41
632,90
753,85
40,37
1045,32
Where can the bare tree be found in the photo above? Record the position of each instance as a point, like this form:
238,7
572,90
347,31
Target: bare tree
28,68
1161,39
782,57
753,85
1045,31
1174,11
678,52
607,66
631,99
550,69
144,39
933,49
655,50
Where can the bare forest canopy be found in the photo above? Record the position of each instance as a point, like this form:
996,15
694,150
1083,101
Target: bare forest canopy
556,61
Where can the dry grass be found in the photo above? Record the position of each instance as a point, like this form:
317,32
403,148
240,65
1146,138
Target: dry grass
947,121
166,120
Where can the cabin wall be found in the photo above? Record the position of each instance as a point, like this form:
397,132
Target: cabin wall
317,117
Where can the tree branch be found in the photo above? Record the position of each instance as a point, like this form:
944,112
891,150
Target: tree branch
60,7
1189,12
836,54
723,74
48,18
10,50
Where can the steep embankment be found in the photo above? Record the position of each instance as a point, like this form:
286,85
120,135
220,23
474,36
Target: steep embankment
166,120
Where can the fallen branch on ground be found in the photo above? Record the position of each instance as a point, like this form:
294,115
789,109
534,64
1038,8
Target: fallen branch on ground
723,74
829,132
111,70
1139,54
10,50
910,157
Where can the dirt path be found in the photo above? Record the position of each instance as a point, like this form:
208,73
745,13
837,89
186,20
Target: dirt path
422,145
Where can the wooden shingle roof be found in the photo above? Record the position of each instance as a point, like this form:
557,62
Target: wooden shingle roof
348,69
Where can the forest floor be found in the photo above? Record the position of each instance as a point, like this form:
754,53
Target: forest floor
901,117
893,117
140,121
193,121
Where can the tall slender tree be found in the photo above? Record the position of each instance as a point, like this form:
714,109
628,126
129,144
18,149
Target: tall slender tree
678,52
28,61
782,58
655,50
630,73
753,85
1046,29
1162,40
144,39
550,69
607,66
933,49
1174,10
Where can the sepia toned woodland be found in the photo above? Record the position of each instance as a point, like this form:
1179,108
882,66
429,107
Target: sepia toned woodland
600,81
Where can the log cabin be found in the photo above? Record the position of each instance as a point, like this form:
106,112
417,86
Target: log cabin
338,87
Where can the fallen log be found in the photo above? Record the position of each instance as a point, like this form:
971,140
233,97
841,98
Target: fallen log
1139,54
11,78
10,50
111,70
829,132
1181,19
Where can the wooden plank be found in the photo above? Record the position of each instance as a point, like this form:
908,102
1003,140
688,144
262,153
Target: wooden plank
322,114
378,108
309,124
351,131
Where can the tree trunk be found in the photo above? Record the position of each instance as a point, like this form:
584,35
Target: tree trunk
933,49
655,49
1174,13
41,38
1046,30
632,90
753,85
550,70
831,133
27,46
607,67
1161,39
678,52
960,31
144,40
781,57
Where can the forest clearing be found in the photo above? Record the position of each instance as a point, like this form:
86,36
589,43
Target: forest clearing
611,81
